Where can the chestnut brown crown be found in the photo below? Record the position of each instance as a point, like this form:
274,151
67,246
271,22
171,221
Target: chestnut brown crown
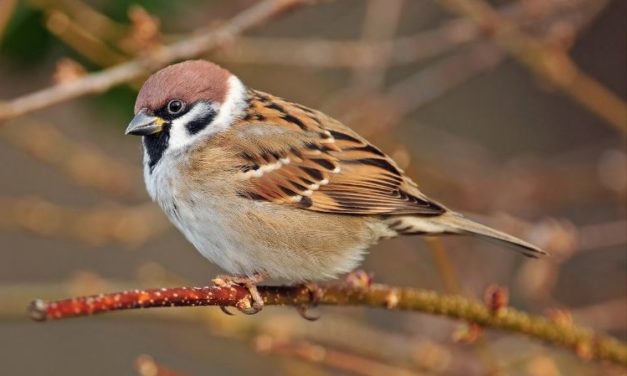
189,81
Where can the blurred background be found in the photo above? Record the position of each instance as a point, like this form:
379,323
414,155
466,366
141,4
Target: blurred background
489,125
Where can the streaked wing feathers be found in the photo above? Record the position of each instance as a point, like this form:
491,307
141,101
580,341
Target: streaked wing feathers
301,157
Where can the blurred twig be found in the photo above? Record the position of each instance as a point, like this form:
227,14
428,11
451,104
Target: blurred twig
546,60
602,235
90,19
542,184
335,330
584,342
197,44
352,363
444,265
370,54
608,315
145,365
421,88
380,23
564,241
83,163
130,226
452,285
340,332
322,53
71,33
6,9
363,339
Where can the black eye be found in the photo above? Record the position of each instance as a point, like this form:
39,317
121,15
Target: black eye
175,106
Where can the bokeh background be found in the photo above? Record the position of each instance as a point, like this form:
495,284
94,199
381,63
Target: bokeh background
474,126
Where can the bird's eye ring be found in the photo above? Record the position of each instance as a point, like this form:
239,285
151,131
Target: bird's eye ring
175,106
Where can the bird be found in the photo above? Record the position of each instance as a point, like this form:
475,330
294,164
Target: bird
271,189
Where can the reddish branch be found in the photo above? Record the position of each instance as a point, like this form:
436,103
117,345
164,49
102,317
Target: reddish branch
584,342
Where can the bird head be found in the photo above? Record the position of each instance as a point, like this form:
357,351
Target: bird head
183,103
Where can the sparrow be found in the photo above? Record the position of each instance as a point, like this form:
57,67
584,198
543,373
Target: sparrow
268,188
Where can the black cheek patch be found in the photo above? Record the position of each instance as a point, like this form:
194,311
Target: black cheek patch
155,145
201,122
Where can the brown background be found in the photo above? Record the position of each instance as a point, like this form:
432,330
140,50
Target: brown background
503,141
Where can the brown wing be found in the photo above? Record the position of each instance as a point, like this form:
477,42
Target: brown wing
293,155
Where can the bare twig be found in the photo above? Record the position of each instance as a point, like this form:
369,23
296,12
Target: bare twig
369,54
145,365
353,363
444,265
602,235
127,225
323,53
451,283
200,43
89,18
547,61
72,34
583,341
340,331
85,164
424,86
380,23
364,340
605,315
6,9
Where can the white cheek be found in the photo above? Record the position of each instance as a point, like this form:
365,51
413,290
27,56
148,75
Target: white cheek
232,108
179,136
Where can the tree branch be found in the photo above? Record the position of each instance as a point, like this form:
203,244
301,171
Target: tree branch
130,226
200,43
584,342
545,60
401,50
334,358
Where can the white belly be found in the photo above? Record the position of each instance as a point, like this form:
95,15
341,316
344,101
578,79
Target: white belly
240,236
201,220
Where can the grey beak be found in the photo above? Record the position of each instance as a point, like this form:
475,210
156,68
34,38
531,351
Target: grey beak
144,125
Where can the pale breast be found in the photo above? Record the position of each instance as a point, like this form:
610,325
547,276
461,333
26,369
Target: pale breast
195,212
243,236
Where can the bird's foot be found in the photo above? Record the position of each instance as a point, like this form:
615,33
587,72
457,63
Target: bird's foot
359,279
250,305
315,293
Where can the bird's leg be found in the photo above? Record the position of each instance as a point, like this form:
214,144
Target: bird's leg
250,283
314,297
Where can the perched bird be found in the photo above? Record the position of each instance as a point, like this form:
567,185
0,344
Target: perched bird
268,188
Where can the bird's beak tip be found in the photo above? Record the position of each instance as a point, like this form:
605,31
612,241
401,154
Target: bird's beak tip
144,125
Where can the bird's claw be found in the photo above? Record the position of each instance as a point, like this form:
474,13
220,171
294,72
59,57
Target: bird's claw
314,298
303,311
252,304
226,310
248,305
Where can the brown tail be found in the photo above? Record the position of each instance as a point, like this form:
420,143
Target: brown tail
453,223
